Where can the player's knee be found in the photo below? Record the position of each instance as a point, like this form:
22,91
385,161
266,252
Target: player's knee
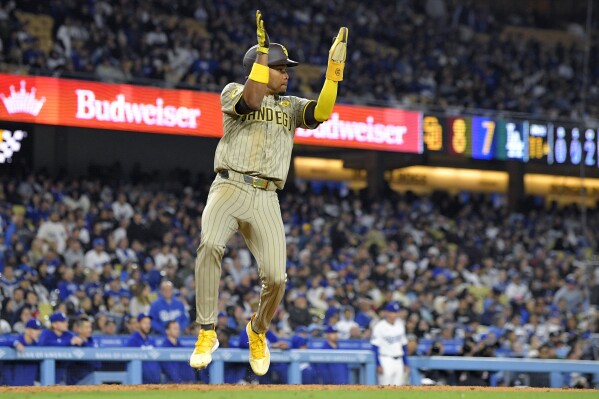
210,248
277,281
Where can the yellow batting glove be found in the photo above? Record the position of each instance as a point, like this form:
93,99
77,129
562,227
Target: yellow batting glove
337,56
262,36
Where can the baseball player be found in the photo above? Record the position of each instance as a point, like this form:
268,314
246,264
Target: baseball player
23,373
59,335
176,372
389,343
142,339
332,373
251,163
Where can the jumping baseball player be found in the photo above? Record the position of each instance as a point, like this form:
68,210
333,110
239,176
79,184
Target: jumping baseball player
251,163
389,344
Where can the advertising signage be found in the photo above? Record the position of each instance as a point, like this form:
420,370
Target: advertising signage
63,102
95,105
370,128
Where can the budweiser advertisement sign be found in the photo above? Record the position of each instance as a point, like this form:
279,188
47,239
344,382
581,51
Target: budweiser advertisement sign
65,102
367,128
62,102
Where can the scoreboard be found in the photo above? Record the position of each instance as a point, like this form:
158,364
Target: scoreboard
480,137
573,145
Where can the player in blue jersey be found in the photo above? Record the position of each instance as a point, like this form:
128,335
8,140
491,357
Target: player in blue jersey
332,373
59,335
77,371
23,373
176,372
141,339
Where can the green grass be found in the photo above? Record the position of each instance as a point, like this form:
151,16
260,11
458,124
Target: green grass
306,394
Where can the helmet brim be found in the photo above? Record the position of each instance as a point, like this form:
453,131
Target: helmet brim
288,62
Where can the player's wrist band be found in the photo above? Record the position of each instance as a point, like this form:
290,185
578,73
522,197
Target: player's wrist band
335,71
259,73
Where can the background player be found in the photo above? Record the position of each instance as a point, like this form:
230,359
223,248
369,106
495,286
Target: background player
390,346
332,373
23,373
252,161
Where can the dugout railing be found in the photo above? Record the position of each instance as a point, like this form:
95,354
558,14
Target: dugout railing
362,360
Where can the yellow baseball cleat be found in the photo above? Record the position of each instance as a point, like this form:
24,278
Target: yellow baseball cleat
206,344
259,353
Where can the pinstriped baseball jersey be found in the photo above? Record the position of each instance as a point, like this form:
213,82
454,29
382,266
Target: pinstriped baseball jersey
259,143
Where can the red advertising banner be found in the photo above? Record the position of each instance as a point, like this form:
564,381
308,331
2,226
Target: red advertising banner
62,102
369,128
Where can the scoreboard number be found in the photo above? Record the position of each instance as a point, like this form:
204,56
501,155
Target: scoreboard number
489,132
561,151
433,133
589,147
458,141
537,146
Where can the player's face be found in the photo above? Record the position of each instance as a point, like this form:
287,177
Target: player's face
85,330
34,333
145,325
60,326
392,316
277,80
174,330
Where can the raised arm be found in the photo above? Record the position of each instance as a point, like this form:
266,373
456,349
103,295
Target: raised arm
334,75
256,85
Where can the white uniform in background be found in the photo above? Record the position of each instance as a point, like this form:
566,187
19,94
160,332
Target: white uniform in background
390,340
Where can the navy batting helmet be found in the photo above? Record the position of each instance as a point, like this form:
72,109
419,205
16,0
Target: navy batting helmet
277,55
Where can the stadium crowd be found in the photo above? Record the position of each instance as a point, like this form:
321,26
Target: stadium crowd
433,53
462,267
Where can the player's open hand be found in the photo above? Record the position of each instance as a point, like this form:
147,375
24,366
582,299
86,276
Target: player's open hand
337,56
262,36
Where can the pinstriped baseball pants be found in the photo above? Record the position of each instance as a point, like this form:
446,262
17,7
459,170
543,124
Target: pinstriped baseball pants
256,214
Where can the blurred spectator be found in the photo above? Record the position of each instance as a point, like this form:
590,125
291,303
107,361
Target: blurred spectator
140,303
571,293
121,208
23,316
346,322
74,252
168,308
96,257
8,281
109,327
53,232
299,315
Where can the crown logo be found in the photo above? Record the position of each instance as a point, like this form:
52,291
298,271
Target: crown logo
22,101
